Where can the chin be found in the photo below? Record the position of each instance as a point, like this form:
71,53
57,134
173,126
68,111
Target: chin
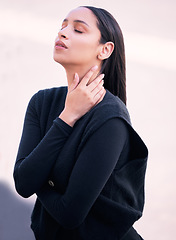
61,62
58,59
55,59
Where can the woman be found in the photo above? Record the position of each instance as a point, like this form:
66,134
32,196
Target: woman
78,151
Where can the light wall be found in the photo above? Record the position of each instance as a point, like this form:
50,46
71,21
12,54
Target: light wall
27,33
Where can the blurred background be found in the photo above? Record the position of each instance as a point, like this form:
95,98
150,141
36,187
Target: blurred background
27,33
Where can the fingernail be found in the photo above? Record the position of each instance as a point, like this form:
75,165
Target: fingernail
95,67
76,76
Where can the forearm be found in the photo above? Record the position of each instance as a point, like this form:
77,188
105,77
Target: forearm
32,171
56,206
89,175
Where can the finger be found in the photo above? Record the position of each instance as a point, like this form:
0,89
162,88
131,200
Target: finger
88,75
99,95
96,82
98,88
75,82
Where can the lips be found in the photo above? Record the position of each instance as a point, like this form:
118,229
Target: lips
60,44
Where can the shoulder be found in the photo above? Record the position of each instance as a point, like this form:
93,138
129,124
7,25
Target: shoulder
117,108
112,112
110,107
115,129
51,92
47,101
44,96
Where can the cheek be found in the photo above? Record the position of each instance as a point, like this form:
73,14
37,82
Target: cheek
86,47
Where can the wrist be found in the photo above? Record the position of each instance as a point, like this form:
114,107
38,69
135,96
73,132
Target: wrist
68,118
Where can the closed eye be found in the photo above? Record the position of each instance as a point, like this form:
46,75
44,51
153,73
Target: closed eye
78,31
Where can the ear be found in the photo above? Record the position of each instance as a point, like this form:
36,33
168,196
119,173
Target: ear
106,50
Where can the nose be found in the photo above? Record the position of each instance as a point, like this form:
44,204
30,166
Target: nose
63,33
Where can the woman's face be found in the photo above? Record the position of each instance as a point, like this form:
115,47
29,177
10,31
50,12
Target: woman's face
78,40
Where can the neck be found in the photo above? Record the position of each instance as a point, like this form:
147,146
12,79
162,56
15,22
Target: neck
81,71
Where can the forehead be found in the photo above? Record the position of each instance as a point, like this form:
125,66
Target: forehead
83,14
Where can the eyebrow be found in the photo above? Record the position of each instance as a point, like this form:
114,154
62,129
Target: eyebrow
76,21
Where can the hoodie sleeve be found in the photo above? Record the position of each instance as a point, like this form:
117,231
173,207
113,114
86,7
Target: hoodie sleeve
92,170
36,156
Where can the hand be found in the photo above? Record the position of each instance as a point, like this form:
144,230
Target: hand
82,96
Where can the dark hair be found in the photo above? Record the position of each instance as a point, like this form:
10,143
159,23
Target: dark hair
114,67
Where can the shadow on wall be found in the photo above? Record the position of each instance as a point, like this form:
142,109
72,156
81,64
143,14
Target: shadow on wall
14,216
